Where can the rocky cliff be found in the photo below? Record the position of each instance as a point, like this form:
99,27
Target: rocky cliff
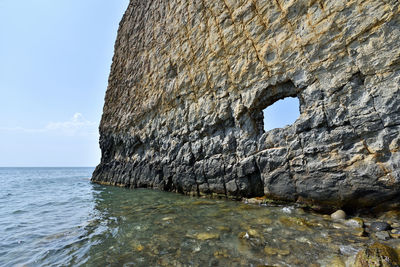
189,81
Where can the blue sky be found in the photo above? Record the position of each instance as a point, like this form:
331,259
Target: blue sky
55,58
281,113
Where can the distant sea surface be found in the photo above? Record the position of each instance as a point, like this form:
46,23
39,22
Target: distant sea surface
57,217
44,213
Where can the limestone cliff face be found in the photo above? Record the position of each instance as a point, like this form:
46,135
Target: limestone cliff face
189,81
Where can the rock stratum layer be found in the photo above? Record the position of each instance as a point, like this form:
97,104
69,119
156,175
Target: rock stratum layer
189,81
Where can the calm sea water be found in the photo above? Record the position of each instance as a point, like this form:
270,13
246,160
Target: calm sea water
44,214
56,217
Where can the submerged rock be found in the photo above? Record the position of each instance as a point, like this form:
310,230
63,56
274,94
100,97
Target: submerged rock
395,233
355,222
276,251
382,235
338,215
379,226
360,232
263,221
295,222
206,236
224,228
336,262
221,254
377,255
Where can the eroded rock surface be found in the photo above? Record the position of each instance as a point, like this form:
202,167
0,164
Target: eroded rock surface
189,81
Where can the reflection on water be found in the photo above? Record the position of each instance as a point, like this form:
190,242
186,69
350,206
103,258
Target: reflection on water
59,218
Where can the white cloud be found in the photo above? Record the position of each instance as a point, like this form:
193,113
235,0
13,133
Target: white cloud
77,125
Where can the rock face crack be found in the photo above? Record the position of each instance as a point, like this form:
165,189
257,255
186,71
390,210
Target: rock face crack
189,81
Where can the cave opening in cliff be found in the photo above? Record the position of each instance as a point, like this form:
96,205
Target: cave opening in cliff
281,113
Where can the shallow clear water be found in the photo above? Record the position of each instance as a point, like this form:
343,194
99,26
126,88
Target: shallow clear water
56,217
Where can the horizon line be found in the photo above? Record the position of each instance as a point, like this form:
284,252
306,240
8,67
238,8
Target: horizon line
47,166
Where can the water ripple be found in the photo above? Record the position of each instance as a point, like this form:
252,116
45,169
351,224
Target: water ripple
61,219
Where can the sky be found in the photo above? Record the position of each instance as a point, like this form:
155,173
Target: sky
283,112
55,57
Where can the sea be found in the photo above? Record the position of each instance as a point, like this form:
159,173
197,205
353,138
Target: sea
57,217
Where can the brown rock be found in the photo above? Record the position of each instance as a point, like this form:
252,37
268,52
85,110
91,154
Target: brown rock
276,251
336,262
377,255
360,232
206,236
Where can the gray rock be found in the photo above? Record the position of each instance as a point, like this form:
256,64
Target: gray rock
382,235
338,215
183,108
355,223
379,226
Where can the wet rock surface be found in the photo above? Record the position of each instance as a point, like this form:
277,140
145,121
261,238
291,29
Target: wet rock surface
338,215
378,255
382,235
380,226
355,222
189,81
